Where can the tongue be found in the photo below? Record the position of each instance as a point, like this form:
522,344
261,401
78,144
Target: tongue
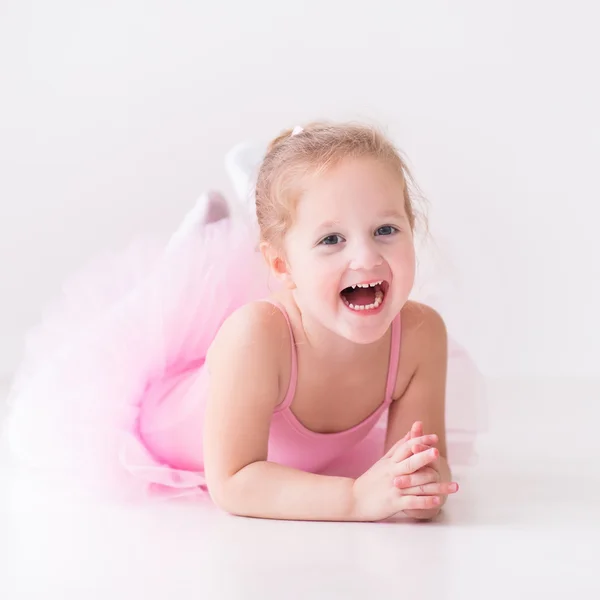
360,296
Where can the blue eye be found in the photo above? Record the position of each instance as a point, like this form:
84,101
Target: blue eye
386,230
331,240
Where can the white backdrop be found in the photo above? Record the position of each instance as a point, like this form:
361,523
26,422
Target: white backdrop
116,115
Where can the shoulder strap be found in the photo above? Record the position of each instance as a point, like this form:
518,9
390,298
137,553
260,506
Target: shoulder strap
394,358
291,391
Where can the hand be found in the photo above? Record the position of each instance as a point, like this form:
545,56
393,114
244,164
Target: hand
375,495
426,481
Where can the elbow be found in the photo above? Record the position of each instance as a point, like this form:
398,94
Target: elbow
227,495
223,496
228,502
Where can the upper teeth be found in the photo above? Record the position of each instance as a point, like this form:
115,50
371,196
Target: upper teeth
366,285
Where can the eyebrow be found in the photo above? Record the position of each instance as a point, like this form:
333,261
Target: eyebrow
388,214
393,214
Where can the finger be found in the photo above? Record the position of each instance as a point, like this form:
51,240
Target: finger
406,437
432,489
391,451
416,461
416,430
421,477
418,502
404,450
420,448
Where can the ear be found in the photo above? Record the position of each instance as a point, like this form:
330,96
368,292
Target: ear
277,264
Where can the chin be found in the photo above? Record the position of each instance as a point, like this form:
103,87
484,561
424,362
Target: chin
363,338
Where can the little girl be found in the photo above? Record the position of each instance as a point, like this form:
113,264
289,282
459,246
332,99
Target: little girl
185,375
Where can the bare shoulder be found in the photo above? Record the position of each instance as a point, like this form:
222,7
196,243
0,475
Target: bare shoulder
424,343
254,323
254,338
423,328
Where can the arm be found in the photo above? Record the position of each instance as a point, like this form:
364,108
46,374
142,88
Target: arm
423,399
247,378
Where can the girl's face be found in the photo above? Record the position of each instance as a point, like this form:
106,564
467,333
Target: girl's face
349,255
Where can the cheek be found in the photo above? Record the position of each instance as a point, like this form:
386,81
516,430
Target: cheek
404,266
319,278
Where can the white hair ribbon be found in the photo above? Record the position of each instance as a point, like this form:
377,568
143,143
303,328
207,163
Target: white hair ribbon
297,130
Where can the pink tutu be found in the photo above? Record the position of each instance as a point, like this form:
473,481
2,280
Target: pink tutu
144,317
123,323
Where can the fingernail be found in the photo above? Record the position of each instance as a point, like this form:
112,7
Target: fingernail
436,500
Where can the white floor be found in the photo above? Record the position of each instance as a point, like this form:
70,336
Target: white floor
525,525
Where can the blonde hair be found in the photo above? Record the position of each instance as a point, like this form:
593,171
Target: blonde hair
311,151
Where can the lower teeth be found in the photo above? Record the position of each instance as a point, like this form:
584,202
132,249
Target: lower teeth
376,304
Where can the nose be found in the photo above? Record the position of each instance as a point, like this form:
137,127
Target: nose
365,256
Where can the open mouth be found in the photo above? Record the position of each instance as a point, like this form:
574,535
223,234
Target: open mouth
365,296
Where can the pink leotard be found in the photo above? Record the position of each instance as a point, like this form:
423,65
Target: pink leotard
292,444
